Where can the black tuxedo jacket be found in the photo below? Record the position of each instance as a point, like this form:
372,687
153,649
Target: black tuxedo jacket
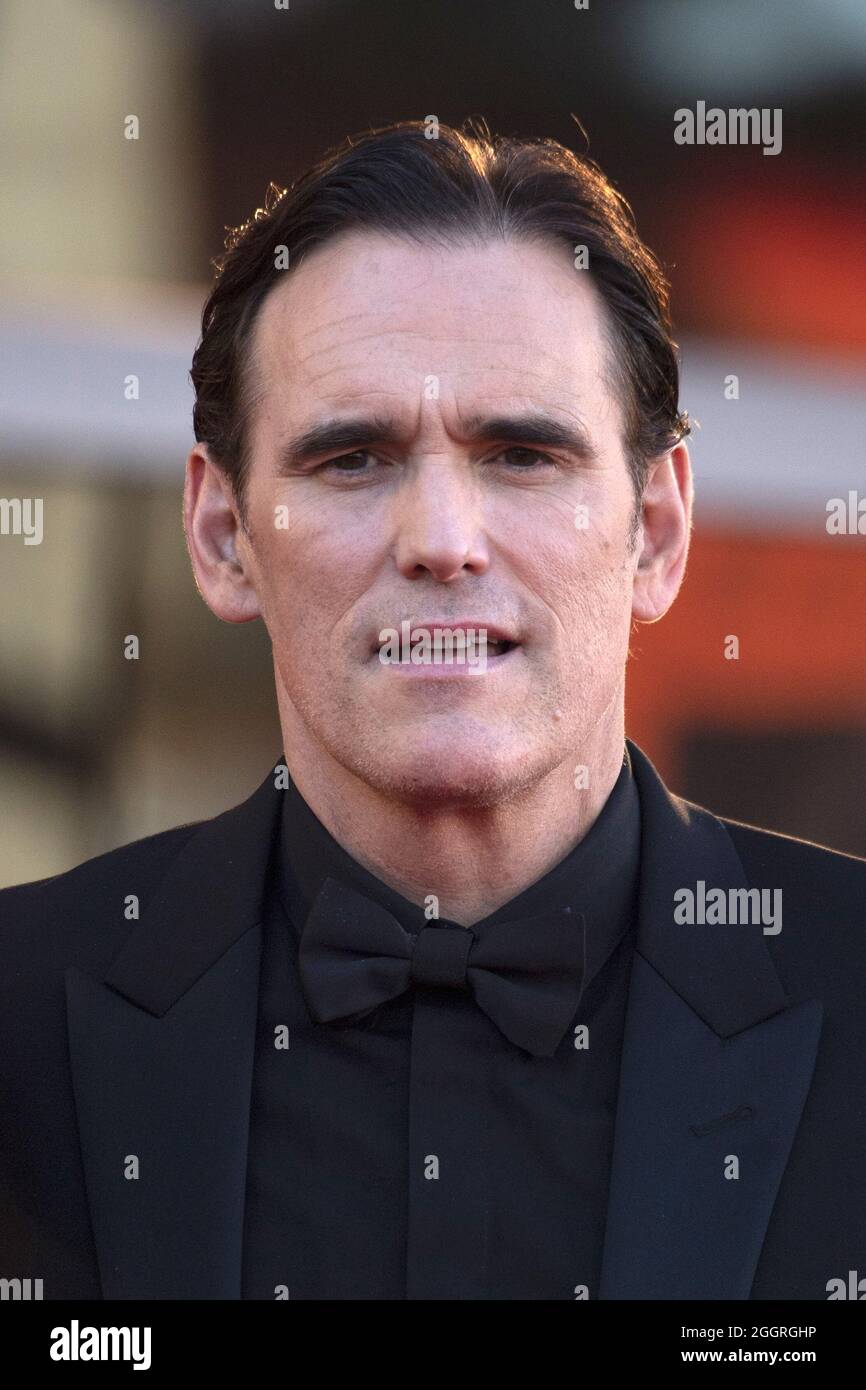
737,1043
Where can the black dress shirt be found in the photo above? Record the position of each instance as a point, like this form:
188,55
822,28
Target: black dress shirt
417,1153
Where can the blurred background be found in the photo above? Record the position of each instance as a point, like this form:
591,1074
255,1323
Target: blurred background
105,251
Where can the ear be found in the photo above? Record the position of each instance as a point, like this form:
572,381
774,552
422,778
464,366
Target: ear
664,535
217,541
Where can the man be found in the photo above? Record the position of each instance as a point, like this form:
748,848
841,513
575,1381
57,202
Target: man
462,1003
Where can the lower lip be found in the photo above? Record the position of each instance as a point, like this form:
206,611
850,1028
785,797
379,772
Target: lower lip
455,670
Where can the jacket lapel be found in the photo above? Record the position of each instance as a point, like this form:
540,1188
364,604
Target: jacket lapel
715,1070
162,1056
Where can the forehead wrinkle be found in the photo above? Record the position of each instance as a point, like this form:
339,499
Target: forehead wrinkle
457,373
301,355
510,316
420,334
347,317
364,394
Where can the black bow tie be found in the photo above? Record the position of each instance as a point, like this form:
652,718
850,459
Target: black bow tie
526,975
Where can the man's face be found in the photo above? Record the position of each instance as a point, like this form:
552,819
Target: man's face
446,518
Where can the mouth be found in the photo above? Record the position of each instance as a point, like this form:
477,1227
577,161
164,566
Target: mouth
499,646
462,643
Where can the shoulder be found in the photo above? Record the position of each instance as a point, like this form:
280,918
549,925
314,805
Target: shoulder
814,870
820,948
81,916
146,856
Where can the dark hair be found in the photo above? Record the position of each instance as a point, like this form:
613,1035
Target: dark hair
457,185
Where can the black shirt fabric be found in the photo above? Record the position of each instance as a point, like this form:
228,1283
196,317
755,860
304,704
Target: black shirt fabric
417,1153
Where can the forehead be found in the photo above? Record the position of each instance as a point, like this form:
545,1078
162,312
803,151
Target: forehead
371,317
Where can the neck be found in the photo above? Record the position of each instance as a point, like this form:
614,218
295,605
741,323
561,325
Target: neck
474,859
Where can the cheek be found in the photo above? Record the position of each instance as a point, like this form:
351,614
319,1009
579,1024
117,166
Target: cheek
577,572
313,579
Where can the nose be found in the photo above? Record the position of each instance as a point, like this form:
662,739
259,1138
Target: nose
438,520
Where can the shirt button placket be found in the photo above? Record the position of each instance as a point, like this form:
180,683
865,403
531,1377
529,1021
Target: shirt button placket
448,1195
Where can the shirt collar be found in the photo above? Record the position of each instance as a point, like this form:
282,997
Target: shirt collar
597,878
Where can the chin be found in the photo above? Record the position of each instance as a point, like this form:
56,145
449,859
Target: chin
429,776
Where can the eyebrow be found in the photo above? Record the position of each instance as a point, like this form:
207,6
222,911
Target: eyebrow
357,432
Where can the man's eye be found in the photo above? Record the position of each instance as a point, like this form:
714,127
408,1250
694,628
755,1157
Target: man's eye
359,455
522,458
